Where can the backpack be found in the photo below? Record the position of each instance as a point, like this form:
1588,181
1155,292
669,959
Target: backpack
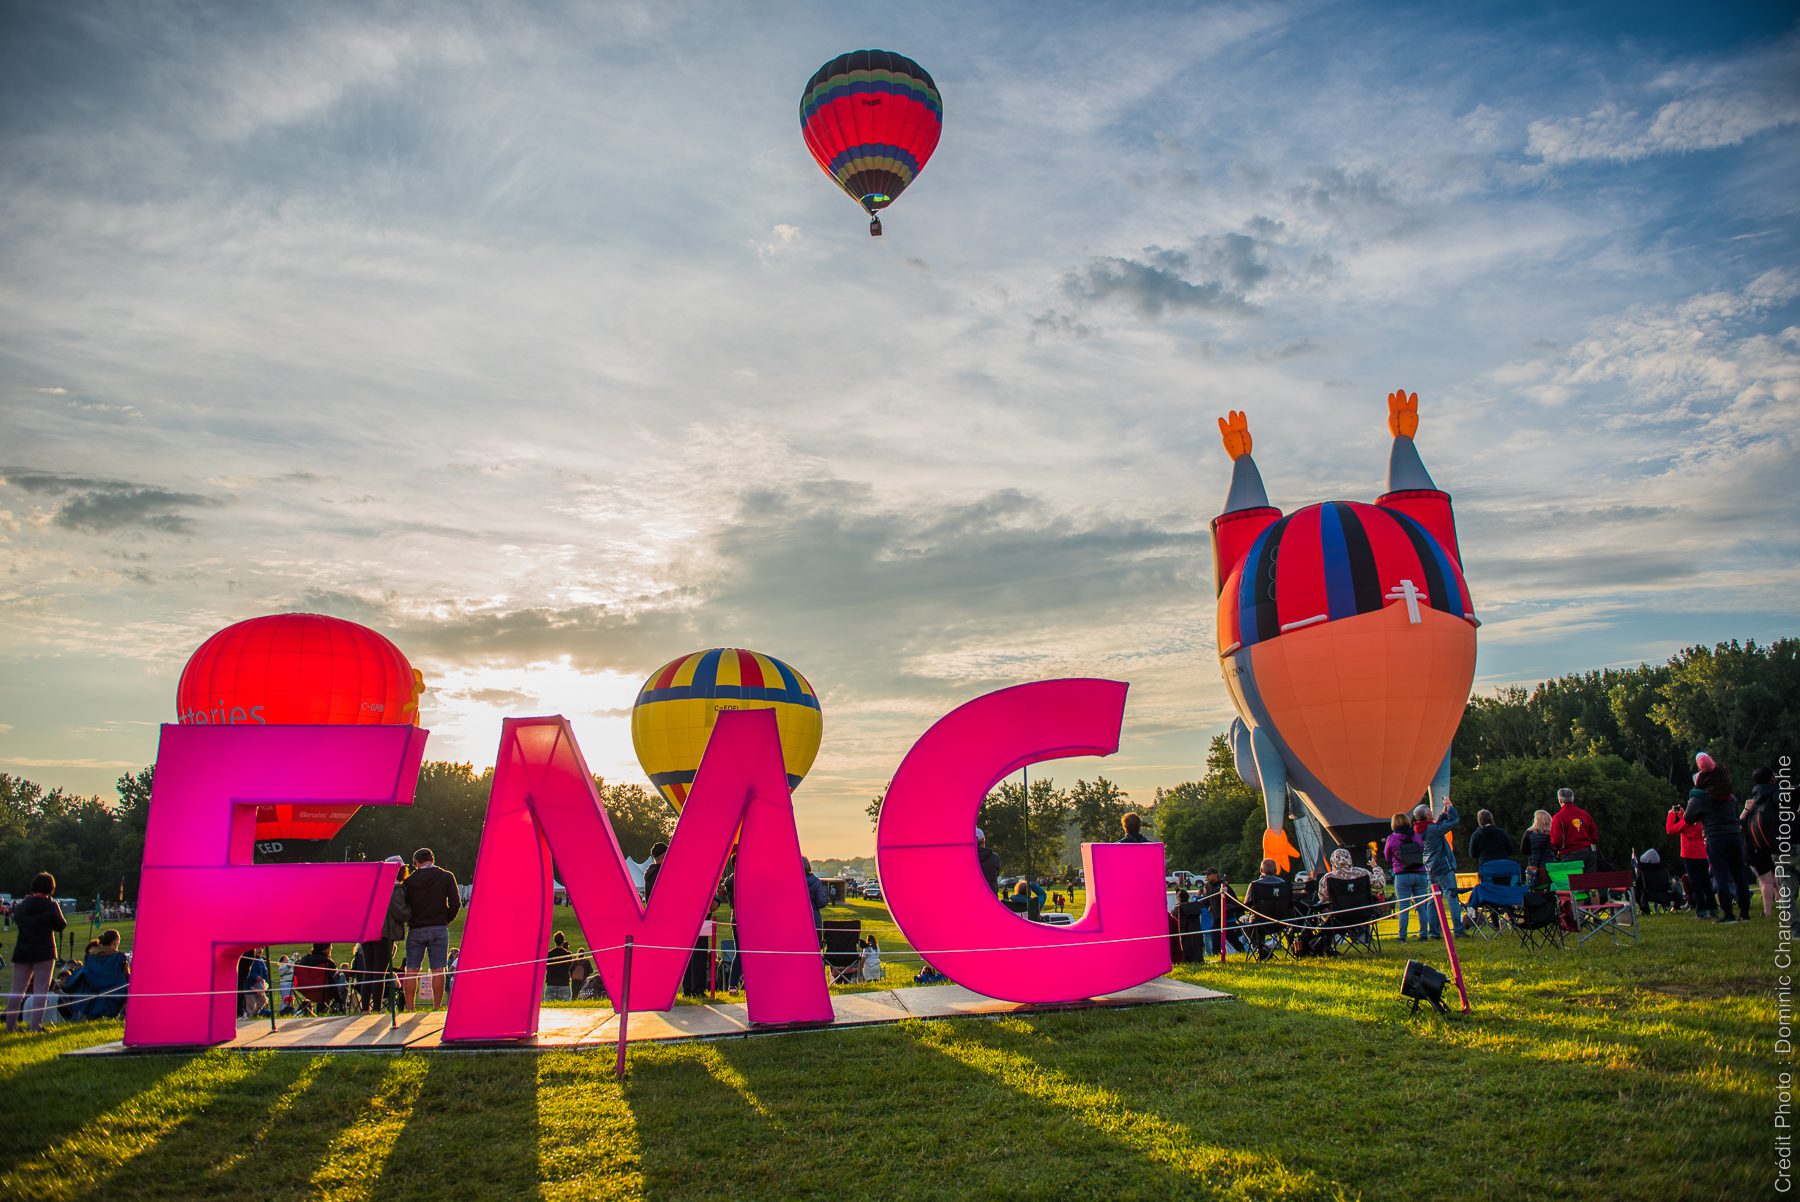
1411,854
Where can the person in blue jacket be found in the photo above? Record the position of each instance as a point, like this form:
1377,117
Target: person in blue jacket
1440,859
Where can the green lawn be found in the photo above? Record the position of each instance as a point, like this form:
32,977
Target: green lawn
1620,1073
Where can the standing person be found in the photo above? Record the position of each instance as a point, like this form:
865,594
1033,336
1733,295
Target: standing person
1693,862
1574,835
990,861
1489,842
1759,822
375,958
284,977
1405,854
40,920
578,972
559,964
1440,858
432,900
1134,829
1712,804
1215,895
657,853
1535,849
818,895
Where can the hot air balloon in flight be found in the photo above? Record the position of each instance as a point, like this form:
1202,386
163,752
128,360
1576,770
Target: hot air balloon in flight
1347,640
871,119
681,700
293,669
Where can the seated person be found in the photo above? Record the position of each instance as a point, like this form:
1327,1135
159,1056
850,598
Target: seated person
1027,898
312,979
1348,910
1306,887
1269,898
872,968
252,984
105,975
1188,915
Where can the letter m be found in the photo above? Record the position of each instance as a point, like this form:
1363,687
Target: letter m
544,801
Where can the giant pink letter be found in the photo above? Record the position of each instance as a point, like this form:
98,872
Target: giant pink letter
931,875
201,901
544,798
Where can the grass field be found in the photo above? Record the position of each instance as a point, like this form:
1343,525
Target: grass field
1630,1072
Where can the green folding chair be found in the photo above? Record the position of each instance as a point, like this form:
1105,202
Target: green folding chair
1559,874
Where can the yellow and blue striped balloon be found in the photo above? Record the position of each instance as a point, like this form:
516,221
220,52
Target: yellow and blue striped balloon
681,700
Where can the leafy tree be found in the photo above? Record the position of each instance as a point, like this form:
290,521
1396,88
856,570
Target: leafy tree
1741,703
1096,808
1202,822
1628,804
639,817
1006,819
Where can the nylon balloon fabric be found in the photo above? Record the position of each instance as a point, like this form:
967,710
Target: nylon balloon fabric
680,702
298,669
871,119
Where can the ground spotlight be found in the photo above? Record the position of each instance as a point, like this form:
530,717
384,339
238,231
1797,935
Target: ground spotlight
1423,983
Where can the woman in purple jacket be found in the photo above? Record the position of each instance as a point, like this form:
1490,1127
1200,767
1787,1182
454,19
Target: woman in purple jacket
1405,853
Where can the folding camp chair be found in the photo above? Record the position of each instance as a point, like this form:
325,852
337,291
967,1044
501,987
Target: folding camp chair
1271,904
843,951
1349,909
1597,911
1538,925
1559,873
1496,898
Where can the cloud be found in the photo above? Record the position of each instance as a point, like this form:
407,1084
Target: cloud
25,762
1715,107
1163,281
53,391
97,506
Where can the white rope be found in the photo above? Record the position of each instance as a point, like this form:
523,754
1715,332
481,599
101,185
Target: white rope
357,978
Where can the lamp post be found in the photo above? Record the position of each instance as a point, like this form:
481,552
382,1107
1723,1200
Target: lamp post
1025,800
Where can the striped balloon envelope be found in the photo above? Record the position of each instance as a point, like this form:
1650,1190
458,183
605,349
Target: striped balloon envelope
680,702
1348,639
1331,561
871,118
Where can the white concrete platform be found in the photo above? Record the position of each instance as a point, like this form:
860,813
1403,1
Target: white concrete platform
563,1028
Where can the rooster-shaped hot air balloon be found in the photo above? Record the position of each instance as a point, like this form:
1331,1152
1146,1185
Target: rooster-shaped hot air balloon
1347,639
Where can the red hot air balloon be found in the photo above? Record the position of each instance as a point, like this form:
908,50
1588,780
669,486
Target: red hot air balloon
871,119
1347,640
296,669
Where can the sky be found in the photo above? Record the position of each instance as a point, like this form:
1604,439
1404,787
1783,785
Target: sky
531,336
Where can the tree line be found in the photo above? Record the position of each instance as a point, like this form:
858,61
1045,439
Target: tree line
95,849
1623,738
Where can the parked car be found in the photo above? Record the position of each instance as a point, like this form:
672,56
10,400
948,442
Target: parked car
872,891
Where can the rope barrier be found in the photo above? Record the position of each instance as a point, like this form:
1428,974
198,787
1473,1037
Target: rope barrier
360,977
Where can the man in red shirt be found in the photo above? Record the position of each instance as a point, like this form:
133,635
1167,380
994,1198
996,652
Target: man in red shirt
1573,834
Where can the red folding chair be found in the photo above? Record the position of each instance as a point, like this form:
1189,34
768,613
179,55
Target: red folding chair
1603,904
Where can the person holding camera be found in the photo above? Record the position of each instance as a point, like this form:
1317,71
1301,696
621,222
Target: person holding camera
1693,861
